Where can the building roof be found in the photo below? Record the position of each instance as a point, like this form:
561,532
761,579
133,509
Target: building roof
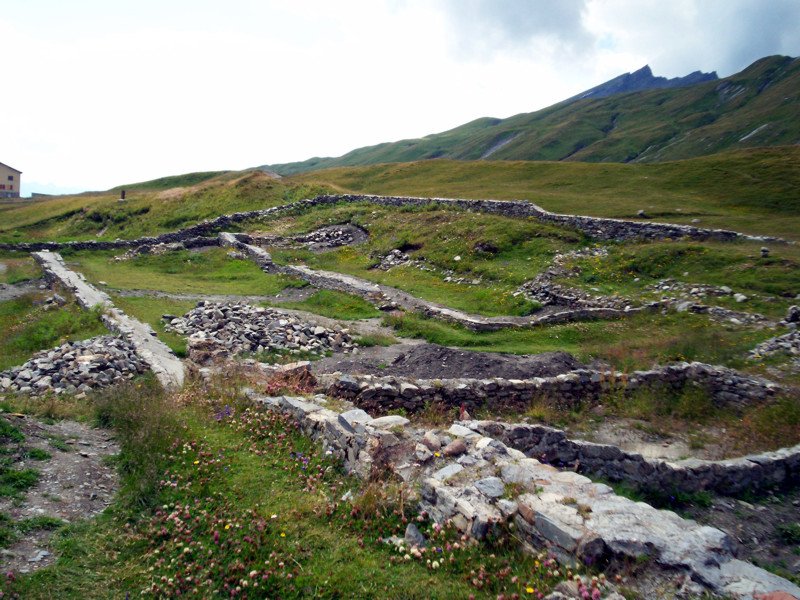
7,167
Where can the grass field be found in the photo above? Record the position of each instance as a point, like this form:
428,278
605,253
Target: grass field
752,191
336,305
209,272
18,267
148,209
150,310
27,326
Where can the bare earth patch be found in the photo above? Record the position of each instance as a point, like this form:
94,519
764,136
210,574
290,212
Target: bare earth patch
76,483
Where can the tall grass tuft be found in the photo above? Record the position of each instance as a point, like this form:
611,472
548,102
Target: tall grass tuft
146,423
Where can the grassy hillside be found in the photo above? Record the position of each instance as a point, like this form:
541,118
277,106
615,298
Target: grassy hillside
149,208
165,183
757,107
754,191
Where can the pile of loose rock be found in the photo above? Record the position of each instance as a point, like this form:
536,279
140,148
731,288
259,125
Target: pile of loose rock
688,295
395,258
154,249
694,290
75,368
325,238
789,343
242,328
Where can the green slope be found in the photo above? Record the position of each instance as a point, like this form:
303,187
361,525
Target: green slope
757,107
754,190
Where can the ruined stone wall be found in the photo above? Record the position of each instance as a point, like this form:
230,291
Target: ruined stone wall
595,227
726,477
557,510
568,391
726,387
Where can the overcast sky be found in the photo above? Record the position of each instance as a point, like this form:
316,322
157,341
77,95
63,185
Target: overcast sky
99,93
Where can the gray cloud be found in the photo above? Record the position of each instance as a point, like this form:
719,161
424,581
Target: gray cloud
752,30
509,25
676,38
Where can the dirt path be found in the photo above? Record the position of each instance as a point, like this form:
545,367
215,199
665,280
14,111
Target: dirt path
290,294
75,483
431,361
11,291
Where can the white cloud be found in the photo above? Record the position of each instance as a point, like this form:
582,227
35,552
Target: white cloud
110,93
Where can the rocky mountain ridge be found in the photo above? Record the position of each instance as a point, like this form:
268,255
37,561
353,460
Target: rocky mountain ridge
643,79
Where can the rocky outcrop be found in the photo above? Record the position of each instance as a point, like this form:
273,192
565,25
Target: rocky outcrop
788,343
642,79
75,368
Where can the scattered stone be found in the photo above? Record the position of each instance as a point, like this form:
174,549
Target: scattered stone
241,328
432,441
39,556
389,422
414,537
455,448
90,364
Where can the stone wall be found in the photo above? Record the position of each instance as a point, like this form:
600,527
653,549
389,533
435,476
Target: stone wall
594,227
568,391
158,356
478,483
726,477
726,387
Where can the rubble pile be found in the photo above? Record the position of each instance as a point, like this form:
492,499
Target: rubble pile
75,368
241,328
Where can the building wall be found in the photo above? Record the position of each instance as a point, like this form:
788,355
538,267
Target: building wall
9,182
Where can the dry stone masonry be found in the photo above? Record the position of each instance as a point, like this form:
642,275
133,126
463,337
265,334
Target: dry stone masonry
75,368
725,387
725,477
594,227
386,297
480,483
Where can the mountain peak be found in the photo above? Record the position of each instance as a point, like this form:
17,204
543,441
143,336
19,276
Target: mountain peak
642,79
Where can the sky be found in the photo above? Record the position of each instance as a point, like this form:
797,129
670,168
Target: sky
100,93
